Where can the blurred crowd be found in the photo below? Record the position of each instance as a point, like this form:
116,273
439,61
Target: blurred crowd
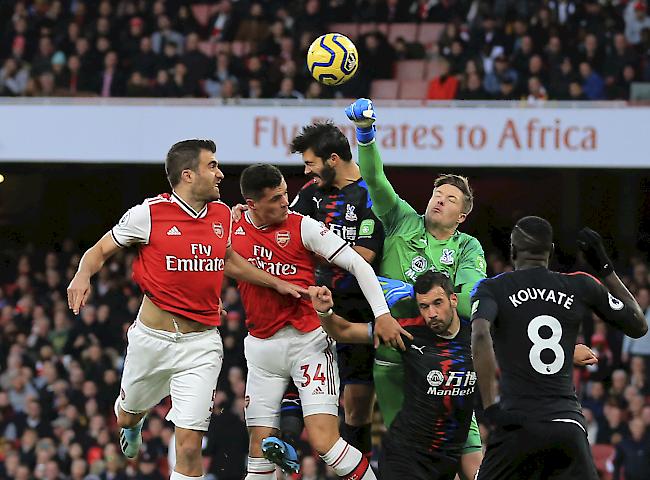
500,49
59,377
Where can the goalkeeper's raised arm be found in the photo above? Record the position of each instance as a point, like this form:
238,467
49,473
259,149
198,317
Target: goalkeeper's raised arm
384,198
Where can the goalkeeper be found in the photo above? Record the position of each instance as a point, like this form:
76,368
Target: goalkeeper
414,244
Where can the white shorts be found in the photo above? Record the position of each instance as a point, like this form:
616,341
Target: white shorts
185,366
307,358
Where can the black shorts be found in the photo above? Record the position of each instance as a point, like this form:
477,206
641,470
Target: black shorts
355,361
539,450
400,462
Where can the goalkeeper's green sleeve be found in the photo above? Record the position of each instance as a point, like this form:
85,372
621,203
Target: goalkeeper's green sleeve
382,194
464,306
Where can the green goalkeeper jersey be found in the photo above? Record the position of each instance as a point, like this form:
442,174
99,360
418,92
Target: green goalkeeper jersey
409,249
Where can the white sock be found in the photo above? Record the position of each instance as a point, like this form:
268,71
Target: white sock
260,469
179,476
348,462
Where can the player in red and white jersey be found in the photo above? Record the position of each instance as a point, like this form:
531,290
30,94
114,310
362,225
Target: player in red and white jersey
286,342
174,347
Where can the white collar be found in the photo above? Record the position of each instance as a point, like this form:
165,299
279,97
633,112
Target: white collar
250,220
175,198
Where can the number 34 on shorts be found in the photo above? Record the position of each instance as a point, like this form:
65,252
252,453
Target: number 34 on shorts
307,359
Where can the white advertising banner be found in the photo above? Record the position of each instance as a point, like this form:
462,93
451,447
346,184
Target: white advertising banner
499,136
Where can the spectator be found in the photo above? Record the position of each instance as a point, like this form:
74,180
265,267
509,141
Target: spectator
196,63
639,374
230,90
13,78
471,88
591,52
254,28
536,91
445,85
592,83
636,19
561,80
111,82
145,61
632,460
43,60
255,88
225,22
500,72
131,40
287,90
612,429
268,31
621,89
378,56
575,92
165,35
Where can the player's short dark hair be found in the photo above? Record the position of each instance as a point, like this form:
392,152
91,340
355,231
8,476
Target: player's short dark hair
533,234
462,184
324,138
428,280
255,178
184,155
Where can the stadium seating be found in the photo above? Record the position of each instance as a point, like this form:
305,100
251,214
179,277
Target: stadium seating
365,28
429,33
407,31
410,69
350,30
413,89
384,89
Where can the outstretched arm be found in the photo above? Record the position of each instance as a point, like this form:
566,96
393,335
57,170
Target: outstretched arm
382,194
238,268
90,264
621,310
336,326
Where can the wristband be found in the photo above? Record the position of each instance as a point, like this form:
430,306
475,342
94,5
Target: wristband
371,331
329,313
366,134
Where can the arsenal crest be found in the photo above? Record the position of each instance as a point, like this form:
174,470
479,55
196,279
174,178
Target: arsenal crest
282,238
217,228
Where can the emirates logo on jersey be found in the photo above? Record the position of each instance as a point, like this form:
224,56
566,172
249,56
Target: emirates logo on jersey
217,228
282,238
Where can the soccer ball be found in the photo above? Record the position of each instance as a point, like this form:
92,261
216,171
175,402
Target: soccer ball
332,59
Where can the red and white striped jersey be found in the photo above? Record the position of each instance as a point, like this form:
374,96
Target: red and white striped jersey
181,254
285,251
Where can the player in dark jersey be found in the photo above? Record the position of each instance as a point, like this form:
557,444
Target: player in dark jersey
337,196
426,439
534,315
